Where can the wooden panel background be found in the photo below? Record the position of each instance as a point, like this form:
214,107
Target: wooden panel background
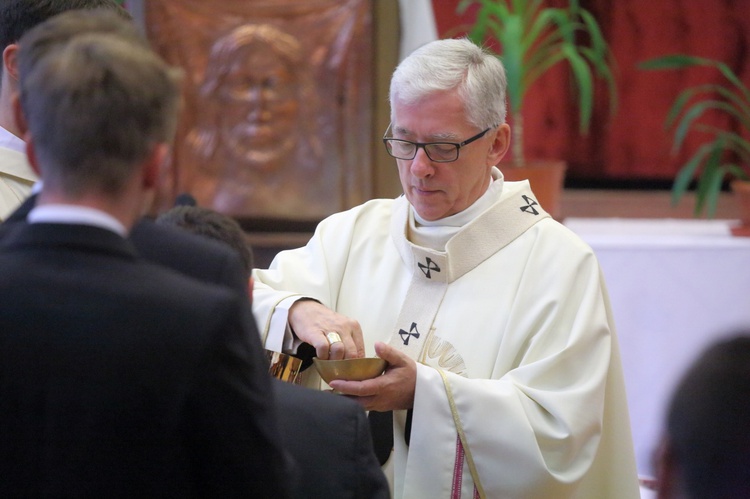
278,103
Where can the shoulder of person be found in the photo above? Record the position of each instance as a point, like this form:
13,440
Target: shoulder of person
146,232
309,400
371,214
188,253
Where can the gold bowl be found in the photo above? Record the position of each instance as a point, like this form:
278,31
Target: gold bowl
350,369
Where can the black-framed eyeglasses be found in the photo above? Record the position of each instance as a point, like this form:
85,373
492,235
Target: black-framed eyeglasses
439,152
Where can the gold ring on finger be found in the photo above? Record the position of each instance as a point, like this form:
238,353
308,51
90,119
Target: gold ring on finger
333,337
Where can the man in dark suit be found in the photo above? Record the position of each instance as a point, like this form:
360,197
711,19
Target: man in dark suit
176,249
119,377
327,435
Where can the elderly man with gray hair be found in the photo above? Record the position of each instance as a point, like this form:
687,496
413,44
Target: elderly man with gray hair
504,375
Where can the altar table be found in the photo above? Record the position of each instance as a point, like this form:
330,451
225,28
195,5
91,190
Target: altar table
675,286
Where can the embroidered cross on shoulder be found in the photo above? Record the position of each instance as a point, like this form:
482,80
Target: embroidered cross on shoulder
529,207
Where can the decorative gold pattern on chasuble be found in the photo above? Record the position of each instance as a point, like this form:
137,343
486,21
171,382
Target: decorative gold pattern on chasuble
443,354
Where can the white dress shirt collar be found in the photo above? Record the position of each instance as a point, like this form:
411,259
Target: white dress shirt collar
79,215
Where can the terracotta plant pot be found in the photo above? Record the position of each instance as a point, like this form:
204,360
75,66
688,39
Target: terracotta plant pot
546,178
741,191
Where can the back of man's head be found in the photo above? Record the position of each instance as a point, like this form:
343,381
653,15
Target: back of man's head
96,104
708,425
19,16
213,225
60,30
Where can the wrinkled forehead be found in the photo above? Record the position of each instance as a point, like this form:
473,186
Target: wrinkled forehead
437,116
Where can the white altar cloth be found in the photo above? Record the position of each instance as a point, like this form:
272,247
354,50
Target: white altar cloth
676,286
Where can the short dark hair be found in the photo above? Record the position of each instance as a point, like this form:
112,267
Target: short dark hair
19,16
97,102
708,421
53,33
214,225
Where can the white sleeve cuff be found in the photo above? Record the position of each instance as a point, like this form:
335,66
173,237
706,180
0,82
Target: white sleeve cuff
280,337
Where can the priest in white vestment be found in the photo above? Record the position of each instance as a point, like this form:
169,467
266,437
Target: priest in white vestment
494,317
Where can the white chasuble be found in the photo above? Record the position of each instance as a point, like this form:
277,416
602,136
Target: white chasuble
519,388
433,271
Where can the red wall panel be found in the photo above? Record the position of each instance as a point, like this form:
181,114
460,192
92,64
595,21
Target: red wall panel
631,145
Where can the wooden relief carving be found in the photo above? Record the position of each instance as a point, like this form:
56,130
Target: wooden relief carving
277,112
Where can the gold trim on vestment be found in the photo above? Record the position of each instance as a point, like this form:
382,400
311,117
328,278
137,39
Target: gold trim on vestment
462,435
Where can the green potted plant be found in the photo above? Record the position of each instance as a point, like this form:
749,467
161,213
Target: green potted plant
725,153
534,38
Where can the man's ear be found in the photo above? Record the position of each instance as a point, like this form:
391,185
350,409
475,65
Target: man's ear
153,165
19,116
9,60
500,144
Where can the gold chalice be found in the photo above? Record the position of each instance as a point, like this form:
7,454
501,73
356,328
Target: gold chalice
350,369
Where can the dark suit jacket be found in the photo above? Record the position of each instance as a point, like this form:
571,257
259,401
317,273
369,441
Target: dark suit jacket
187,253
329,436
123,378
19,215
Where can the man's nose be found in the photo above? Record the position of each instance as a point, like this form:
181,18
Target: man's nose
422,165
